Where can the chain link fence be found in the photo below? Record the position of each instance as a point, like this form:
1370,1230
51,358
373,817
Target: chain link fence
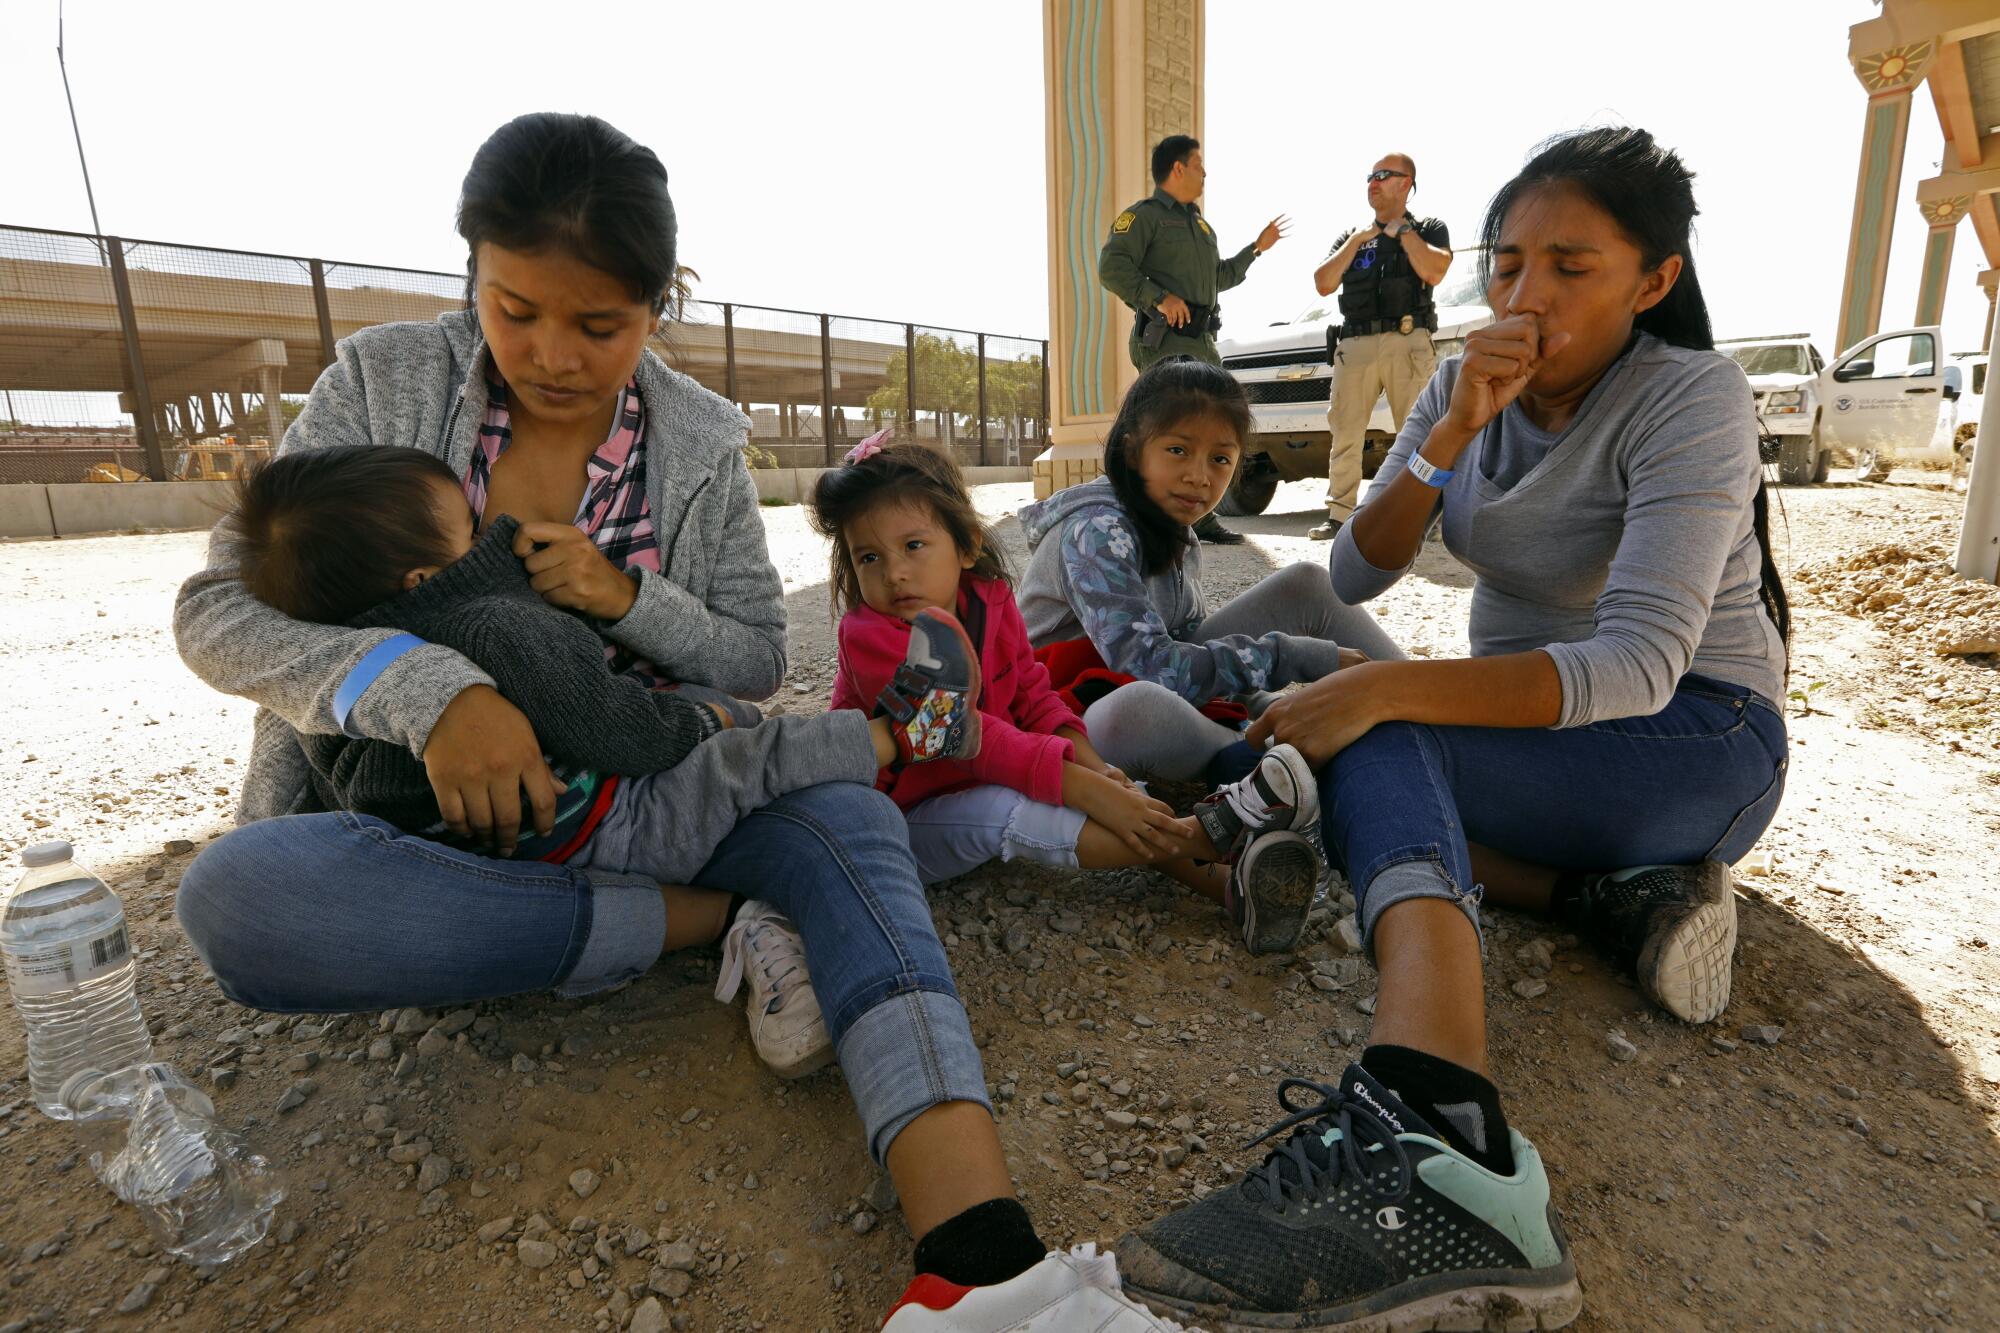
124,360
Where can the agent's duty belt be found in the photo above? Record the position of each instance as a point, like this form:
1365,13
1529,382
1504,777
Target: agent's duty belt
1201,319
1407,324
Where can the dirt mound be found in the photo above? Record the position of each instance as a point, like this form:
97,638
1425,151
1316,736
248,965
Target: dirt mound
1948,628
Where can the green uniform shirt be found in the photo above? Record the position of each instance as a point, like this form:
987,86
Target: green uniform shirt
1158,247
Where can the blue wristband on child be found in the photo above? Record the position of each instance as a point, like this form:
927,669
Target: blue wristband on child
372,664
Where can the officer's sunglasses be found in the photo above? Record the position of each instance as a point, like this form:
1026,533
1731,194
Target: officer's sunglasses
1374,176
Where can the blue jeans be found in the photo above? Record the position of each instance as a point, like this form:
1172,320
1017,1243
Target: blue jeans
1699,779
340,912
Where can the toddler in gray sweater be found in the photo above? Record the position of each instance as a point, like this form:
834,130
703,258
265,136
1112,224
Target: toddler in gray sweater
654,779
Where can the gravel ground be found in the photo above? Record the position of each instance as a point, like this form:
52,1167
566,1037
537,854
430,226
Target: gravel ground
1825,1157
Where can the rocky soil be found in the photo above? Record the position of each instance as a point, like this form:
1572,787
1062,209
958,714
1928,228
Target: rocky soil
1825,1157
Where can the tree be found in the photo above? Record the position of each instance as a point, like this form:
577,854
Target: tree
948,382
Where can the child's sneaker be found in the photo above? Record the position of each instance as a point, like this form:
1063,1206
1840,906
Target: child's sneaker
932,701
1061,1294
1674,926
1364,1217
1280,793
786,1025
1271,889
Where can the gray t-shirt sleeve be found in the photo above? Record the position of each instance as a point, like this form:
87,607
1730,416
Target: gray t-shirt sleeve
1355,580
1691,478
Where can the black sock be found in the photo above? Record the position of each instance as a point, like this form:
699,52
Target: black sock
987,1243
736,901
1460,1105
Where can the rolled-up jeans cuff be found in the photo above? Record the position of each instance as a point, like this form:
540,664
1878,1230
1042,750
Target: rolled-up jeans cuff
1422,875
628,924
909,1053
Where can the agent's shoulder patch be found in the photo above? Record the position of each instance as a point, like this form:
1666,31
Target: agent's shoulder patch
1123,223
1205,227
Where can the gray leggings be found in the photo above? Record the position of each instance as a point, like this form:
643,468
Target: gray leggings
1154,734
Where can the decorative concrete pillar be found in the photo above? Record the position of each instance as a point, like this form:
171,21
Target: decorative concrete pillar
1117,77
1989,282
1978,555
1889,76
1943,216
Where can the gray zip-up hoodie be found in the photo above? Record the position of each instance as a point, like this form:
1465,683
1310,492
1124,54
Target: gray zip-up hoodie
714,616
1084,581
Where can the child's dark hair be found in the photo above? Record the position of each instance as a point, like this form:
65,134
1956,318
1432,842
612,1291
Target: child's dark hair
900,472
1167,391
327,533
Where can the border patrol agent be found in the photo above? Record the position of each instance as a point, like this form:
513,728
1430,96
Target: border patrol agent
1385,272
1162,260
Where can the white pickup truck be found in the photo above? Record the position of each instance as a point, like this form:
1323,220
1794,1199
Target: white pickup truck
1879,401
1284,370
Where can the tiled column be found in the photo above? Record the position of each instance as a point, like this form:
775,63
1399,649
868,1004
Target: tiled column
1889,76
1943,216
1118,76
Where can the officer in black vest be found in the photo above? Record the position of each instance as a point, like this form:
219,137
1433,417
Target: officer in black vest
1385,273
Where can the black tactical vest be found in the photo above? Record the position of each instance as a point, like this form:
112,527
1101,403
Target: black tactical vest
1381,285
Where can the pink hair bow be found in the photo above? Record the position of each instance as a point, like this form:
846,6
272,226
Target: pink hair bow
869,447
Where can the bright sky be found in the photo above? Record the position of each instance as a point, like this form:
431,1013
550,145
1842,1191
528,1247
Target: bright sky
885,159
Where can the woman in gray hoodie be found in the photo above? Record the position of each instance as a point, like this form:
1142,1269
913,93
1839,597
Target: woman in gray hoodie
636,511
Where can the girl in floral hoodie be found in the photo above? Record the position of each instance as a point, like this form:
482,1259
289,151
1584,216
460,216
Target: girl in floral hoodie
1115,570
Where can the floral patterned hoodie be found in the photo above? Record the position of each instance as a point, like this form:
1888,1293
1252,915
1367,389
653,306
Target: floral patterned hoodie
1084,581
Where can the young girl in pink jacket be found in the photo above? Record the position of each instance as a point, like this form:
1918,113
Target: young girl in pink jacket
906,539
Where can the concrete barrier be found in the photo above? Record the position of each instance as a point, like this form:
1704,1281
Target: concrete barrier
24,512
90,507
794,485
82,508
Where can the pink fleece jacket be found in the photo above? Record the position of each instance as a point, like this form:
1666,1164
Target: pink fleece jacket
1019,711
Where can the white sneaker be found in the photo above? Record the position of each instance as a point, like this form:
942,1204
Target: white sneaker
1271,890
1076,1292
786,1025
1282,792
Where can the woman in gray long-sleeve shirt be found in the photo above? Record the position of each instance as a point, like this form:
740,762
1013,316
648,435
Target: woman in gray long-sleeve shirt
1614,741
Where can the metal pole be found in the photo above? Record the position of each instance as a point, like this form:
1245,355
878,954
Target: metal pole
88,193
135,364
910,376
325,313
729,350
826,385
982,400
1979,540
1042,415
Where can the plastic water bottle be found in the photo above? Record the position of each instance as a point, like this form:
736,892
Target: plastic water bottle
153,1138
69,966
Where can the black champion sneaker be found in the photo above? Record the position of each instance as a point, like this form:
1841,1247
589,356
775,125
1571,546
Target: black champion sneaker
1363,1219
1674,926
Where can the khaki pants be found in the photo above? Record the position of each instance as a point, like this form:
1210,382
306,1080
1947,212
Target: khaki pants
1398,364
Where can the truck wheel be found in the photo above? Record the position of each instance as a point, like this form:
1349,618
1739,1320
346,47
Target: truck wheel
1871,465
1798,460
1250,493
